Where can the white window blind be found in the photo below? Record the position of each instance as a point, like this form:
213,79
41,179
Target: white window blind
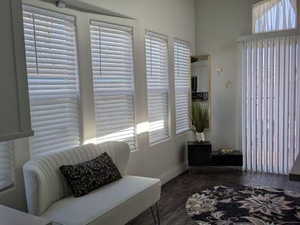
182,63
274,15
158,86
113,75
271,103
52,67
6,165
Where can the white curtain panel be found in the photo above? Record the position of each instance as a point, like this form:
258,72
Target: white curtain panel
271,103
274,15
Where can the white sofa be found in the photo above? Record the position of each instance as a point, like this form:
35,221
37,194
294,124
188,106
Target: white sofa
113,204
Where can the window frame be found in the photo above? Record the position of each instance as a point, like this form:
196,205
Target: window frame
68,13
121,22
86,98
297,27
188,89
169,119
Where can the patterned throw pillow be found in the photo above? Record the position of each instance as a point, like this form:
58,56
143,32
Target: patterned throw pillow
85,177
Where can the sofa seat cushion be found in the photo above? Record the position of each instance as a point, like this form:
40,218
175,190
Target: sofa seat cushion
112,204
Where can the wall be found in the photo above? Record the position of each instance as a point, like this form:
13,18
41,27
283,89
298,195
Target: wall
174,18
218,25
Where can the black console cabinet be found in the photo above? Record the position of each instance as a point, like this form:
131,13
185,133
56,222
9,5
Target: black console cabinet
234,158
200,154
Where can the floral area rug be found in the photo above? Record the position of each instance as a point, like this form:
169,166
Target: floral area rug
243,205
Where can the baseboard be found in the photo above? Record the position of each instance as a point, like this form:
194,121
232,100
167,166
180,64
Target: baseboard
172,173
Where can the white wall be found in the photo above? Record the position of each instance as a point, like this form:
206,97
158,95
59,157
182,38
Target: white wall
174,18
218,25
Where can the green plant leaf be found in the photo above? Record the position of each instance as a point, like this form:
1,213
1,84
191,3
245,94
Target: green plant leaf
200,116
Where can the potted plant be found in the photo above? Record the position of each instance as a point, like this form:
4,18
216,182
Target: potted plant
200,120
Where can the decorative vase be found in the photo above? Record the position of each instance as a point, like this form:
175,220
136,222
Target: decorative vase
197,136
200,136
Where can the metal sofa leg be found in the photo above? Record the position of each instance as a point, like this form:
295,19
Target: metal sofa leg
153,212
157,213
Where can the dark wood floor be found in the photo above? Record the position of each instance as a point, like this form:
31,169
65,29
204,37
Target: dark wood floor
176,192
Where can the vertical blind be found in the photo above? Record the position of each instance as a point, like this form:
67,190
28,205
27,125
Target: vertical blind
52,67
157,86
274,15
6,165
113,75
182,63
271,103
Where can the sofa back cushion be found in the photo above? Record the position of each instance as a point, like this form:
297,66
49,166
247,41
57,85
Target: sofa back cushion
45,184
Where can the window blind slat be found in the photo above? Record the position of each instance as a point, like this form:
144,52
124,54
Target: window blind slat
182,83
157,86
113,76
52,66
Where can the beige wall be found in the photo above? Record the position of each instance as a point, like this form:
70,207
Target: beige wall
218,25
174,18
